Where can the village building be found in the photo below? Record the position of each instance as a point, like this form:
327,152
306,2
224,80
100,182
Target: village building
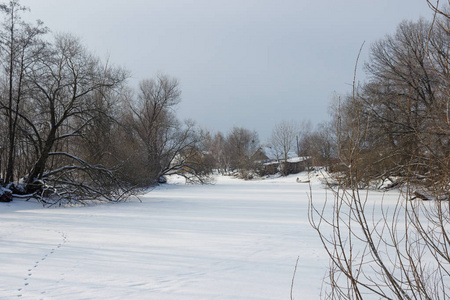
272,163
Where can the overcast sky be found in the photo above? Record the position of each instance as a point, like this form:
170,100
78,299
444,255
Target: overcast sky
250,63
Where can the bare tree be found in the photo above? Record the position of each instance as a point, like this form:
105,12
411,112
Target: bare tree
241,144
283,141
403,99
154,120
63,81
169,145
184,155
320,146
401,110
218,152
19,45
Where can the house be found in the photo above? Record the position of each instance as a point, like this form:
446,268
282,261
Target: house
272,163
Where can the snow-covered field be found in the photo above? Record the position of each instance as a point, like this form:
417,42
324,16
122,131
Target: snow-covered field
231,240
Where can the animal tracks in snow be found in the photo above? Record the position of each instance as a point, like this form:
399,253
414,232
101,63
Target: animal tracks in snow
38,262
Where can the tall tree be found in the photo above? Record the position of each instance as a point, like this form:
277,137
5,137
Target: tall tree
402,97
168,144
20,44
154,120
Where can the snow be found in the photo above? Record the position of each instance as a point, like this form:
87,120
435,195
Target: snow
234,239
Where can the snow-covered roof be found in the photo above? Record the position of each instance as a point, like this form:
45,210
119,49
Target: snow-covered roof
271,153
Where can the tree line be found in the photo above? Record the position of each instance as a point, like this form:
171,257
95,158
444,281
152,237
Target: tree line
72,129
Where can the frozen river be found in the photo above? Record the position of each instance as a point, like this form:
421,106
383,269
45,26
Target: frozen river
231,240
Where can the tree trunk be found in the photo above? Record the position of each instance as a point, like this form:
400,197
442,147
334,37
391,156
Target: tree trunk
39,167
11,127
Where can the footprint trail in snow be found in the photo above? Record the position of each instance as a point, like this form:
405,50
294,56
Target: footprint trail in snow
31,270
